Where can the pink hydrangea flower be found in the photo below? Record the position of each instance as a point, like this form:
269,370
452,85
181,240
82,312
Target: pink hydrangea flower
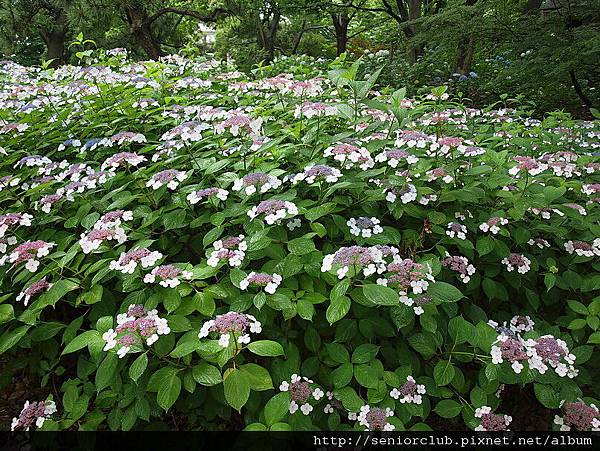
269,281
33,289
231,249
238,325
28,253
301,390
409,392
207,193
128,261
134,327
34,413
168,276
490,421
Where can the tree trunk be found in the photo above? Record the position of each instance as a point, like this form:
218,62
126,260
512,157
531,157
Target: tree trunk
141,31
55,46
464,52
532,6
298,38
414,12
340,23
269,35
54,38
464,55
584,98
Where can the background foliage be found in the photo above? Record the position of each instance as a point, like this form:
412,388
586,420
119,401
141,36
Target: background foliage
547,53
64,134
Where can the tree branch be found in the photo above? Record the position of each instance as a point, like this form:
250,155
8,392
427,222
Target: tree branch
212,17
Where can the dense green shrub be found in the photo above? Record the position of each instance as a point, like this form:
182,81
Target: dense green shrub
182,246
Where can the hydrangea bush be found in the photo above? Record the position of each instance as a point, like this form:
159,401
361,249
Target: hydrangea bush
186,247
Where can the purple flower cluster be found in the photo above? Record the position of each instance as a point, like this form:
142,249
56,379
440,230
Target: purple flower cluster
33,289
491,421
240,325
34,413
459,265
134,328
301,390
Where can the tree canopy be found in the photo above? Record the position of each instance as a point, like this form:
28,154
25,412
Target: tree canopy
546,52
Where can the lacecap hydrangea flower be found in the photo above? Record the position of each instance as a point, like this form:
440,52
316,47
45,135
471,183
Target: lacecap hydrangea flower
369,259
518,262
273,210
256,182
350,155
92,240
33,289
582,248
14,219
34,413
238,325
301,390
493,224
407,194
128,261
375,418
269,281
317,173
170,177
28,253
207,193
409,392
231,249
490,421
168,275
134,328
457,230
578,416
519,324
365,227
459,265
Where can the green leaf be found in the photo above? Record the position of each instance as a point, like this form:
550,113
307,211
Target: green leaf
266,348
349,399
366,376
342,375
577,324
337,352
460,330
337,309
81,341
444,292
485,245
546,396
578,307
106,371
339,289
551,193
277,408
594,338
6,313
380,295
206,374
301,246
55,293
236,388
138,367
447,408
168,391
365,353
184,348
423,343
258,377
443,372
